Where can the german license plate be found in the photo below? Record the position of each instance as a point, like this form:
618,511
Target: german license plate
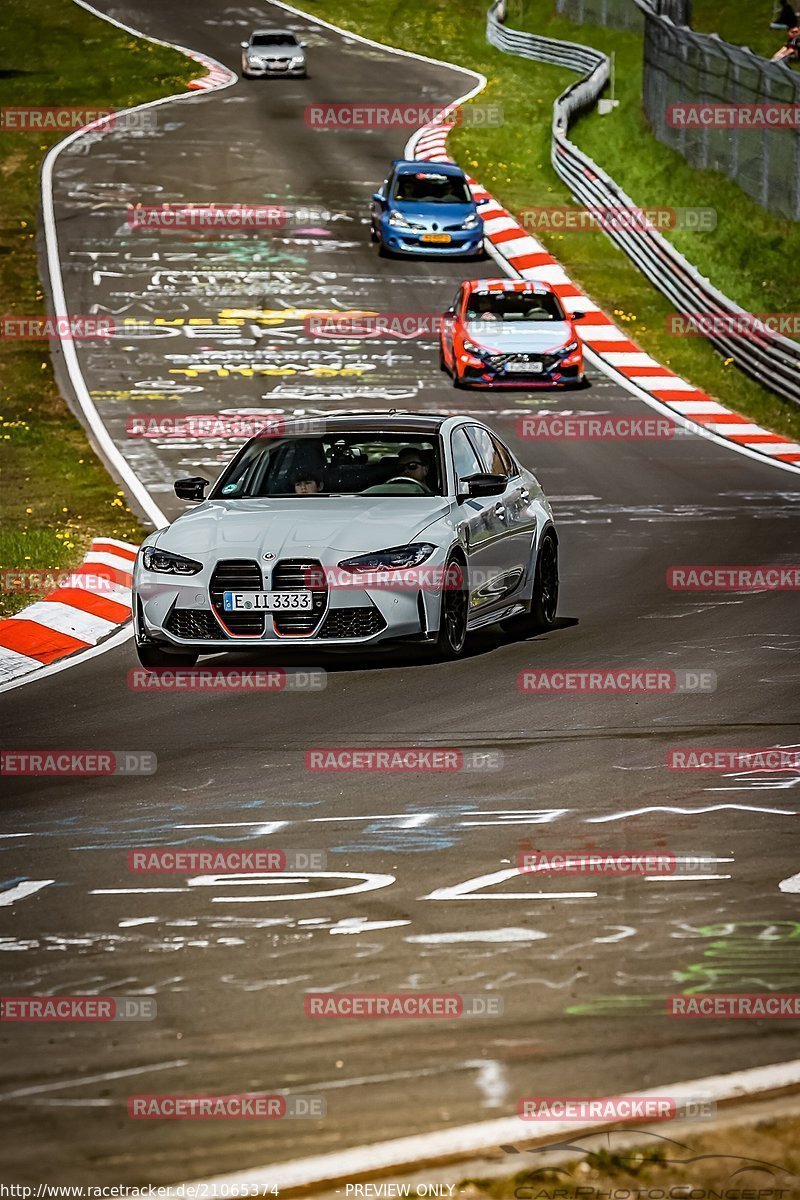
441,238
266,601
525,368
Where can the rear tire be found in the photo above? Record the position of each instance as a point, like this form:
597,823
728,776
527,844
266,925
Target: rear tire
151,655
544,603
452,636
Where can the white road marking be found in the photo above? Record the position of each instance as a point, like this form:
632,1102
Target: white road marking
792,884
477,935
68,1083
690,812
467,890
22,890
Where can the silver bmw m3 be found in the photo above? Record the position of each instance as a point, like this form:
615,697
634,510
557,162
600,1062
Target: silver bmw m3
346,532
273,52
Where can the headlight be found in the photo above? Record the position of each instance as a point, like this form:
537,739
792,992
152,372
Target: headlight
298,61
165,563
472,221
565,350
471,348
398,220
394,559
254,60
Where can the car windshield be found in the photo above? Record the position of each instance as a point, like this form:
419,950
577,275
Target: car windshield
273,39
425,187
514,306
340,463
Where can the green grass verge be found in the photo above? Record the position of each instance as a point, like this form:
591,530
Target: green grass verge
56,493
751,255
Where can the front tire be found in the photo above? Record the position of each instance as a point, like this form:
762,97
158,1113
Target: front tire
452,636
544,601
151,655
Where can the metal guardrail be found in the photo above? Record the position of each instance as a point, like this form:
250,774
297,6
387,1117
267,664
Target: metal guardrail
770,358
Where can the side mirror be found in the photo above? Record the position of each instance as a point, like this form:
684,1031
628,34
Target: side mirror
485,485
483,200
449,312
577,316
303,45
192,488
377,197
244,45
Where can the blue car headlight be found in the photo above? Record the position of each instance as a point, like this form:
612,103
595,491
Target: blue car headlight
396,558
166,563
472,221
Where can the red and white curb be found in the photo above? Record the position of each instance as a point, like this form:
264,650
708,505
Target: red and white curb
90,605
217,77
611,346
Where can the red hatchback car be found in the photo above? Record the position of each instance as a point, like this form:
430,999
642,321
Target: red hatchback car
510,333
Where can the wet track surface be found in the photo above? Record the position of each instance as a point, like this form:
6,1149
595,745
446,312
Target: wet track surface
582,965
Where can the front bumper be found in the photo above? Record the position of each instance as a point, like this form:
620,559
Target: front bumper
491,377
263,71
181,612
409,241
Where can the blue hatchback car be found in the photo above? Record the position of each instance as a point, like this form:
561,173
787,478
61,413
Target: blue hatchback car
426,208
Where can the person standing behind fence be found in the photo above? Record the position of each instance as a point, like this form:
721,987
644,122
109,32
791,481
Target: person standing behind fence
786,18
790,53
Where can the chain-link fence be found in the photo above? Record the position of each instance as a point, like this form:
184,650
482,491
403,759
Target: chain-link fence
686,73
621,14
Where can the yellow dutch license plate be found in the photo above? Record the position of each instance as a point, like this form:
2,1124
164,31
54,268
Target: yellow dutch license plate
436,237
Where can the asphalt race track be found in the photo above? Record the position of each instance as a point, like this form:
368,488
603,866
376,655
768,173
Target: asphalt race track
582,965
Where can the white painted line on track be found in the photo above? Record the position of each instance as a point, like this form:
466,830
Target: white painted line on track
464,1141
29,888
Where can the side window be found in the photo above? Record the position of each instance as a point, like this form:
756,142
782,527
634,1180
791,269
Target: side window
489,450
465,460
510,467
